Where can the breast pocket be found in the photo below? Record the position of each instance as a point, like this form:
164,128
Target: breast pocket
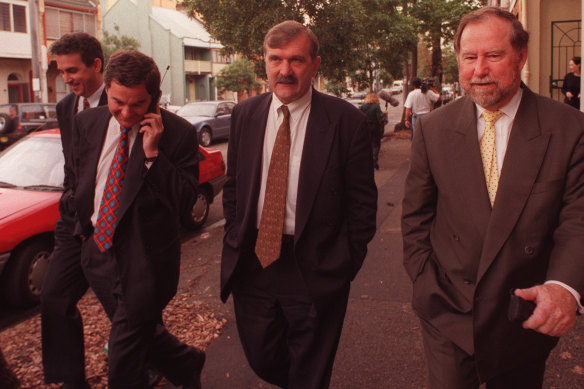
547,186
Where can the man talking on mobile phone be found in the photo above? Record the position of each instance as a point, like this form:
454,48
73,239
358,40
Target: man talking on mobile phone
135,169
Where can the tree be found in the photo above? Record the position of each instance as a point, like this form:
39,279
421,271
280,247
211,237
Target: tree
114,42
238,77
349,44
438,20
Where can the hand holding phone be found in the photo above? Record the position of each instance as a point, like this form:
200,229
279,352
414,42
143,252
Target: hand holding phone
152,129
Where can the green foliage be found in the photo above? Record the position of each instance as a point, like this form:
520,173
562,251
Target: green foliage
114,42
337,88
450,65
238,77
437,23
356,36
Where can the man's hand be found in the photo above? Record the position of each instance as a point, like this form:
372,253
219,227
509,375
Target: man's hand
555,313
152,129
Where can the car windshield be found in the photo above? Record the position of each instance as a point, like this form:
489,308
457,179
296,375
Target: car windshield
35,163
198,109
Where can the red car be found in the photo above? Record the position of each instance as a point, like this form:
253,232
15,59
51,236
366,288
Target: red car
31,178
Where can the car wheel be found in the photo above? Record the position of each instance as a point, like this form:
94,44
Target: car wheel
24,273
3,122
205,137
198,213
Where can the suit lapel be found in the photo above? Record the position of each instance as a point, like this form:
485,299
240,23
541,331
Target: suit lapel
134,175
315,154
250,151
523,160
468,167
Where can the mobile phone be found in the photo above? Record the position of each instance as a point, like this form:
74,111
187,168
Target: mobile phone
154,102
519,309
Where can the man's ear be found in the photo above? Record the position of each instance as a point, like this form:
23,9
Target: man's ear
97,64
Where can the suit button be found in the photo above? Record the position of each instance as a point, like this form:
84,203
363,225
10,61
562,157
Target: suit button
455,237
528,250
467,281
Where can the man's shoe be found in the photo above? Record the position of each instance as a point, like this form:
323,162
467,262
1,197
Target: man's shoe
197,369
76,385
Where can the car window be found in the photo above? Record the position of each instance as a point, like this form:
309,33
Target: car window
33,112
222,109
197,109
35,160
229,108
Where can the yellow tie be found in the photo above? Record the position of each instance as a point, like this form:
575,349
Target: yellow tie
489,153
269,242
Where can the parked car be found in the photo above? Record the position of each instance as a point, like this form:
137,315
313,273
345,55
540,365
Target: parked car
397,87
29,117
31,178
211,119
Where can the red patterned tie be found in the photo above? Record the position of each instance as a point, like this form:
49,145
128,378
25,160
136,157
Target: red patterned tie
107,218
85,104
269,240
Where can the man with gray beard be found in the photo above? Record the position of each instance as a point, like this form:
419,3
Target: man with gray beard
493,217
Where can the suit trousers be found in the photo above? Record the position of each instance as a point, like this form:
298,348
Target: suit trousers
61,324
451,367
133,347
288,340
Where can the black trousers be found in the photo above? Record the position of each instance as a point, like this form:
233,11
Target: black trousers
133,348
451,367
288,340
61,325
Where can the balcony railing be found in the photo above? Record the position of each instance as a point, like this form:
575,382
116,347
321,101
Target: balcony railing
195,66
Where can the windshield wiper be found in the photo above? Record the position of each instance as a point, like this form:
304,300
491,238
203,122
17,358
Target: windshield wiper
6,185
43,187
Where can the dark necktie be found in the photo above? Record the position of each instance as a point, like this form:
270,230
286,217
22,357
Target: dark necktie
85,104
269,240
107,218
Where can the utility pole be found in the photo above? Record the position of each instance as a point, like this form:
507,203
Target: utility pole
39,75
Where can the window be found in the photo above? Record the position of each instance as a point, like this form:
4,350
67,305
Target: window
12,18
5,24
219,58
19,16
60,22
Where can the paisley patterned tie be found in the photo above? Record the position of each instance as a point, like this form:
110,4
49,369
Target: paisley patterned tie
107,218
489,153
269,240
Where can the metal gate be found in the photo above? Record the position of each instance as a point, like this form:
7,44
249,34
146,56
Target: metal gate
565,45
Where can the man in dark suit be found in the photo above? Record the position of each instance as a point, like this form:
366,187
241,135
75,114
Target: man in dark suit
299,204
494,203
79,59
135,168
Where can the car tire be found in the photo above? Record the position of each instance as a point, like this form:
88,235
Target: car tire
198,214
4,120
24,273
205,137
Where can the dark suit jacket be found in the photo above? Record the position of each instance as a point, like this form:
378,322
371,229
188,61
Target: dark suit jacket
66,110
463,257
146,241
337,196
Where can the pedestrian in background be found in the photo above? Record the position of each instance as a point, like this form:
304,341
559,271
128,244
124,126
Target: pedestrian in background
299,204
80,62
419,102
493,211
571,85
376,120
135,170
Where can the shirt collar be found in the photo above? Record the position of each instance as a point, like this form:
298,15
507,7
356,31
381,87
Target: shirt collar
297,106
509,109
95,97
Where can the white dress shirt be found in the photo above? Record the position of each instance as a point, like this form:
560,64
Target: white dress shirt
503,128
299,112
93,99
105,160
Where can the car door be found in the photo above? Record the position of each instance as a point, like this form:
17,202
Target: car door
223,120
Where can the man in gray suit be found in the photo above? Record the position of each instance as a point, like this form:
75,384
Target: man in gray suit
494,203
